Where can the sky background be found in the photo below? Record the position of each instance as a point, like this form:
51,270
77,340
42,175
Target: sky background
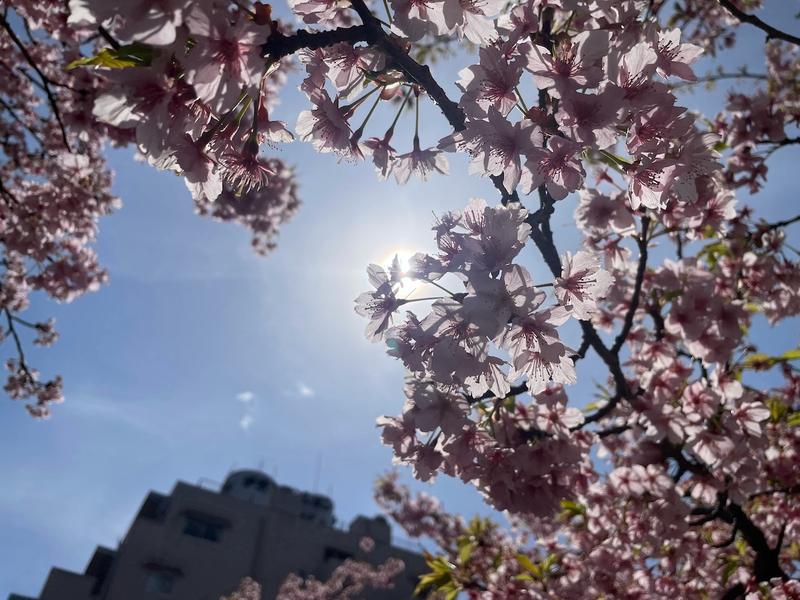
200,357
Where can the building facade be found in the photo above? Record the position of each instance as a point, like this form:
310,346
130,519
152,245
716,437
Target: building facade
197,544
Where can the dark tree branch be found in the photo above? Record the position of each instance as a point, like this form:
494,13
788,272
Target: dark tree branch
602,411
772,33
23,365
417,73
637,288
616,430
581,353
279,45
767,565
421,75
789,491
45,80
372,31
781,143
515,390
778,224
781,534
106,35
735,592
658,319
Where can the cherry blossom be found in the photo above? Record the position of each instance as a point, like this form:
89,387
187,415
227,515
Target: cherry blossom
557,167
678,476
582,283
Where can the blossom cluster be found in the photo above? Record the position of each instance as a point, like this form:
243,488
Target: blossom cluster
453,359
197,100
684,434
679,478
347,582
54,186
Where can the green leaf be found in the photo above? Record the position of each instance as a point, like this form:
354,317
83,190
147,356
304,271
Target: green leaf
791,354
712,252
465,551
730,567
752,307
549,562
759,361
571,509
526,563
793,420
452,594
124,57
777,409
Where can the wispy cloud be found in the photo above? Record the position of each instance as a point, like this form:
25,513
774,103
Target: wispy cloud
248,401
304,390
246,397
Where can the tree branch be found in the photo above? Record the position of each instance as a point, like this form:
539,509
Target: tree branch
784,223
601,412
279,45
767,565
714,77
421,75
772,33
637,287
23,366
45,80
514,391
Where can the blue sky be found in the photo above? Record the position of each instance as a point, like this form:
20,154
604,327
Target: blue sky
156,363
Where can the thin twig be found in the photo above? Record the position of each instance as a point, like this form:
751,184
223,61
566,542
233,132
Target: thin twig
45,80
637,287
23,366
772,32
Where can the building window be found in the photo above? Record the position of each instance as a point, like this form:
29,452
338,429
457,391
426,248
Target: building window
159,582
199,527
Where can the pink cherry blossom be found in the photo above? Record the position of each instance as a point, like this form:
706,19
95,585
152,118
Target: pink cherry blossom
325,125
224,58
490,83
572,65
582,283
419,162
497,146
557,167
675,58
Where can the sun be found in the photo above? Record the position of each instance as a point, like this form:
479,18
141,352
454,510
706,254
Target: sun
407,285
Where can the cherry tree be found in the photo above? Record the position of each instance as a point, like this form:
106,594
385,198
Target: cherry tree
680,478
346,582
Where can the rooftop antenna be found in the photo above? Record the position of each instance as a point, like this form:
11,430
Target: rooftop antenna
261,464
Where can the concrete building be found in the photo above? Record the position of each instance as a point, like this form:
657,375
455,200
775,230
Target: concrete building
197,544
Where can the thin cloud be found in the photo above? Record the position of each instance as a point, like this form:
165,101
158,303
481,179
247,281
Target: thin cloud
305,390
248,401
246,397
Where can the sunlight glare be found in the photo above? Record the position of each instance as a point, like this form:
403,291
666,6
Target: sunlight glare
408,287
